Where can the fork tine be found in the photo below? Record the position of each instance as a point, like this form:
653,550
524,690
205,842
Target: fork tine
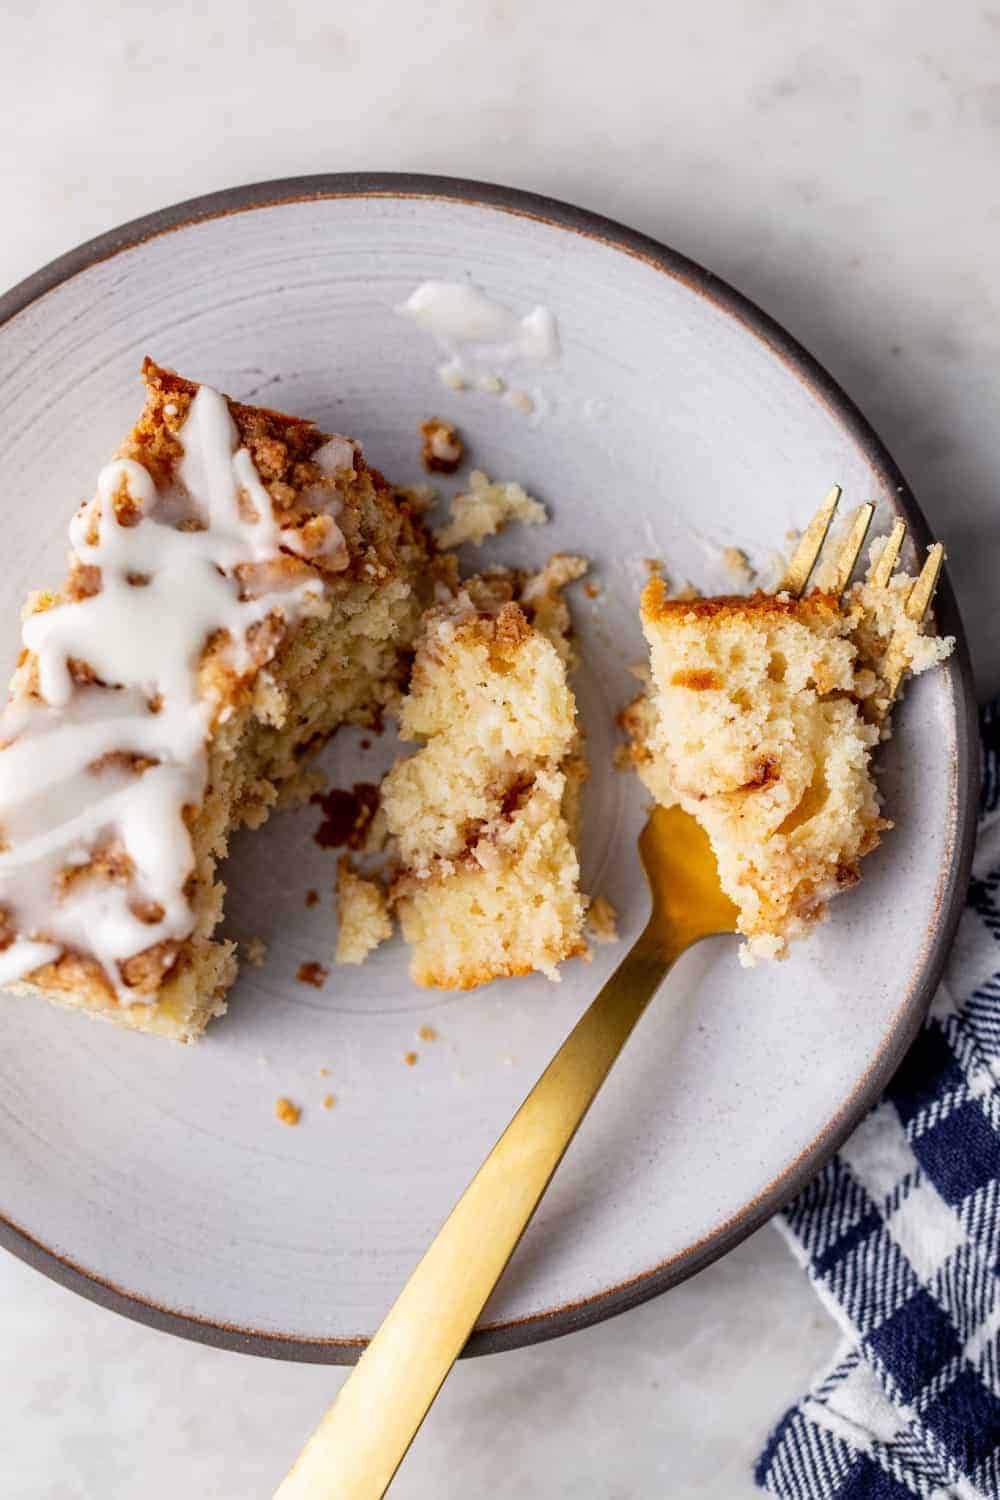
843,566
917,604
798,571
882,571
922,591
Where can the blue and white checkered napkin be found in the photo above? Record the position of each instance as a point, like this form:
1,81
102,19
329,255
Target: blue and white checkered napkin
900,1235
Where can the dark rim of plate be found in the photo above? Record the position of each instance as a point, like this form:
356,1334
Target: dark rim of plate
556,1321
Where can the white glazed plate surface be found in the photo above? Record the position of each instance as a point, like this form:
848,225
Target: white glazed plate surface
156,1177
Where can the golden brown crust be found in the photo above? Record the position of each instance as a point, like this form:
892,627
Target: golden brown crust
811,609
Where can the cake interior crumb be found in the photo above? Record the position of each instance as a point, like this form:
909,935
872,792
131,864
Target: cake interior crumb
427,1034
329,1100
602,921
485,508
312,897
410,1059
255,951
363,915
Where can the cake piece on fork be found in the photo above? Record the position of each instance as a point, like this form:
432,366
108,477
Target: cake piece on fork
761,721
240,585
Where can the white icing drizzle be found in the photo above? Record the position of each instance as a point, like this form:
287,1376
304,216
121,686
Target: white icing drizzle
476,331
164,592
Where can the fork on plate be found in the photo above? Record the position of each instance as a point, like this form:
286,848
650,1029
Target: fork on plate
362,1439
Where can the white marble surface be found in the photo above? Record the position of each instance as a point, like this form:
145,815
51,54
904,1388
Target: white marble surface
840,167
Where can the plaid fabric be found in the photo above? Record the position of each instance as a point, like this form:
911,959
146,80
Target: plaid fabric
900,1235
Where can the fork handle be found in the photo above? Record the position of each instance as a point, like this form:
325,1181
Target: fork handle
364,1435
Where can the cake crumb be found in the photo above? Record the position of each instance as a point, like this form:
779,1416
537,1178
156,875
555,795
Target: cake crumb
519,401
312,897
737,565
324,1072
543,595
362,913
287,1112
410,1059
486,508
255,951
592,589
453,376
312,973
443,449
602,921
427,1034
329,1100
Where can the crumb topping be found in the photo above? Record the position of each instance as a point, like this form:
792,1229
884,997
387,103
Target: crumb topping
443,449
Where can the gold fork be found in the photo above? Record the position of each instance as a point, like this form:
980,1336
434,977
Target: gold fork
362,1439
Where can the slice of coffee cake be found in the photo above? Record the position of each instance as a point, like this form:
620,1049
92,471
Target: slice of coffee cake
239,586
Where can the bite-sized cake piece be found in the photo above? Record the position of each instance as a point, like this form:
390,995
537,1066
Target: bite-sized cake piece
240,585
760,722
485,508
362,913
483,816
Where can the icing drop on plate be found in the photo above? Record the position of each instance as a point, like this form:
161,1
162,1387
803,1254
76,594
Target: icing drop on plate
478,334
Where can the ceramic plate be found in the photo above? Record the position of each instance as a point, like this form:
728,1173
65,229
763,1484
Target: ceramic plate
677,420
